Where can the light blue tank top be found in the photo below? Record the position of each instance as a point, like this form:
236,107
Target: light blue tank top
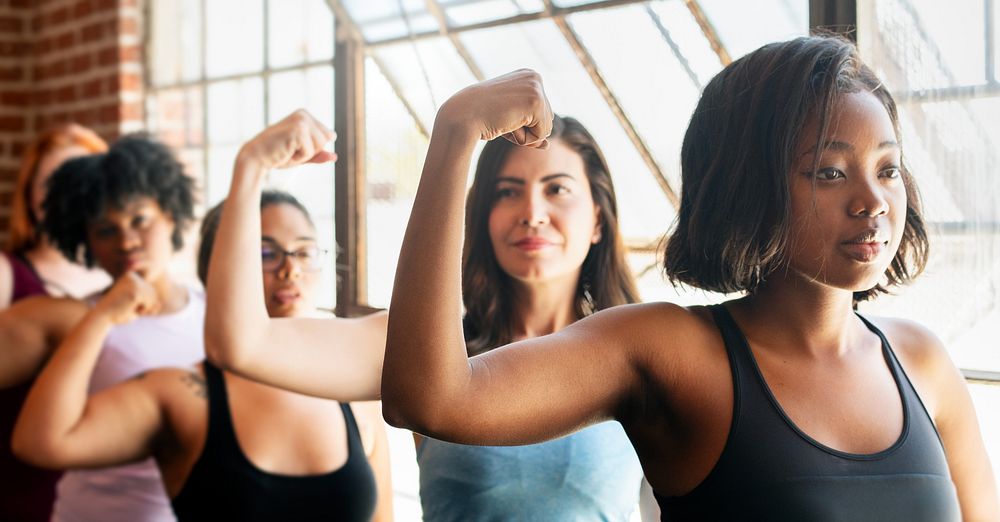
591,475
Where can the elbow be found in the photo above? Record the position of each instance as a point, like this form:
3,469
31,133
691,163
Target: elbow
219,352
34,451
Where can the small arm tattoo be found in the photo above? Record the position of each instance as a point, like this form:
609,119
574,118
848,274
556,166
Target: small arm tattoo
196,383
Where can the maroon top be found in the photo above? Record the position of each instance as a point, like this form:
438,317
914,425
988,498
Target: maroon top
26,493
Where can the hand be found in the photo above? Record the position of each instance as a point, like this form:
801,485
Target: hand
513,106
295,140
130,297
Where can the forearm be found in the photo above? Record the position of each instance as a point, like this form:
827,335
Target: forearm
58,398
235,316
426,361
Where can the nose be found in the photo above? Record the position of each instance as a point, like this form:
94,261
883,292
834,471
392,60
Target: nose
130,239
869,199
290,268
535,211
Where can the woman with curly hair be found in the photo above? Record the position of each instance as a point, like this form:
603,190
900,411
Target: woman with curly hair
125,210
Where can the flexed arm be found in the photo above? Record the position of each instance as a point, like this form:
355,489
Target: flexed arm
335,358
59,425
523,393
29,331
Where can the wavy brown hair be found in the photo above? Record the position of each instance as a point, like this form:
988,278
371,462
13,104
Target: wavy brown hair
733,226
486,289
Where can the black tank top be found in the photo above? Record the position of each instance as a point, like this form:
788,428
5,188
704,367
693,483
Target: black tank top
770,470
225,485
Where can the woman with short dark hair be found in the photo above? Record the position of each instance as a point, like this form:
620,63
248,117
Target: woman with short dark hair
783,404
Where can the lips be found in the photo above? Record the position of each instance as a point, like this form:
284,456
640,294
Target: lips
866,246
532,243
287,295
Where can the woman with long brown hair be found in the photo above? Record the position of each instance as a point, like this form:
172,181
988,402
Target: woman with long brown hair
542,250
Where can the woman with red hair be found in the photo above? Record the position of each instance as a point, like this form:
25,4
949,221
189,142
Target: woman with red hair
31,265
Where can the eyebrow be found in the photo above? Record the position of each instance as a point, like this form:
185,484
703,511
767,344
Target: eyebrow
844,146
519,181
275,241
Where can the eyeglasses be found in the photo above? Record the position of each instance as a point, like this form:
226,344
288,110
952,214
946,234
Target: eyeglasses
272,257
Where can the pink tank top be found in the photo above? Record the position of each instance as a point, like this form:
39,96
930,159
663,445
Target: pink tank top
133,493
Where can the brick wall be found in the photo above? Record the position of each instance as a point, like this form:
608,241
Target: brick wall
66,60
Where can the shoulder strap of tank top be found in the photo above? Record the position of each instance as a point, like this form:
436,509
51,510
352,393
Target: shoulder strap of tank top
354,445
910,396
221,437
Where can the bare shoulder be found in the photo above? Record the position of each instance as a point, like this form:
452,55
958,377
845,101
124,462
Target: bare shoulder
917,347
657,329
6,282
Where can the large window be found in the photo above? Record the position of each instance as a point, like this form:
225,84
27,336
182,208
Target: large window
219,71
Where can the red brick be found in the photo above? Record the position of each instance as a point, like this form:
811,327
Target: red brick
36,23
58,17
12,98
130,54
108,114
130,82
93,32
43,96
128,26
12,123
11,24
91,89
82,9
56,69
65,40
66,94
107,56
80,63
11,74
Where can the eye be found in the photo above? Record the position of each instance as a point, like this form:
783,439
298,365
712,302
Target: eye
829,174
892,172
268,253
559,190
139,221
105,232
305,254
504,192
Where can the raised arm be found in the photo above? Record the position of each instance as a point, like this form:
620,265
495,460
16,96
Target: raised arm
335,358
527,392
29,330
60,426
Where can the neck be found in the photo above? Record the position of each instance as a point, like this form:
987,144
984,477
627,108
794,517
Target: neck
541,308
795,314
173,295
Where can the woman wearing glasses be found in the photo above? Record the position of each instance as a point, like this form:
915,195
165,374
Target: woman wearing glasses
227,447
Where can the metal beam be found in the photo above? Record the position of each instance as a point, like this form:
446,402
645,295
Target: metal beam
957,93
981,377
708,30
587,61
527,17
989,14
674,48
349,174
442,19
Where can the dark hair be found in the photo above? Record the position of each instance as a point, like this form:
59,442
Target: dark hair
486,288
733,226
82,189
210,225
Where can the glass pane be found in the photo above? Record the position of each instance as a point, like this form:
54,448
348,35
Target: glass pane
310,89
427,71
384,20
473,12
175,116
235,34
175,41
682,28
645,211
942,44
745,26
952,145
656,99
299,31
395,154
235,114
